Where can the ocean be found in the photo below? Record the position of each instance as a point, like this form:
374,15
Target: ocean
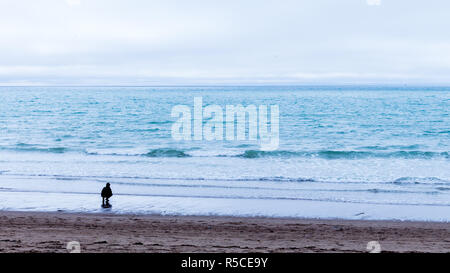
350,152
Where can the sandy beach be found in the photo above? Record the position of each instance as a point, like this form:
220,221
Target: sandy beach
50,232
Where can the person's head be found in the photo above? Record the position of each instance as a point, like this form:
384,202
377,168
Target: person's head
107,185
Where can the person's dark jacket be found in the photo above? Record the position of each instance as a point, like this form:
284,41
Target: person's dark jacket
106,192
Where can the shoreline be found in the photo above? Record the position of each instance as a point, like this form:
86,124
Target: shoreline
109,232
143,214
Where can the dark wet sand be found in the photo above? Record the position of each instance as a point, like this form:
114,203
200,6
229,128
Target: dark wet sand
50,232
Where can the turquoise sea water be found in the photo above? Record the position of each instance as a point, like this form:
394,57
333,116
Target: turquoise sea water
372,152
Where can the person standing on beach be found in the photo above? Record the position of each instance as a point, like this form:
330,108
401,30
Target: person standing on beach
106,194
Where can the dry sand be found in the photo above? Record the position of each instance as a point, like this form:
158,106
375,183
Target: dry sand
50,232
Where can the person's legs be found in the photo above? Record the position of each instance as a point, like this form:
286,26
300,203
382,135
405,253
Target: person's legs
103,201
107,201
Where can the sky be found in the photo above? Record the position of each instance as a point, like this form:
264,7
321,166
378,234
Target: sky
168,42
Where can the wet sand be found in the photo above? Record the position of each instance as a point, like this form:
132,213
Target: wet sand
50,232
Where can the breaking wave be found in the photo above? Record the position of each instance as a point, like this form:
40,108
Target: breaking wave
327,154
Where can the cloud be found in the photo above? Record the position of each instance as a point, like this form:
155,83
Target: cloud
112,41
73,2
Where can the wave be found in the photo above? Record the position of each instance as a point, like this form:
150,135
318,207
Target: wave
327,154
405,147
441,184
162,152
166,153
160,122
420,180
143,130
258,154
371,152
22,147
252,179
284,179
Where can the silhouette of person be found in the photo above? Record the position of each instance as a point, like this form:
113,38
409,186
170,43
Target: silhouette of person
106,194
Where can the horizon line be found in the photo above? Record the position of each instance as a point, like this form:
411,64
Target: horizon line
237,85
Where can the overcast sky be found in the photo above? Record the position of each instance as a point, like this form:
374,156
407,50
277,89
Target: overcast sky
146,42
